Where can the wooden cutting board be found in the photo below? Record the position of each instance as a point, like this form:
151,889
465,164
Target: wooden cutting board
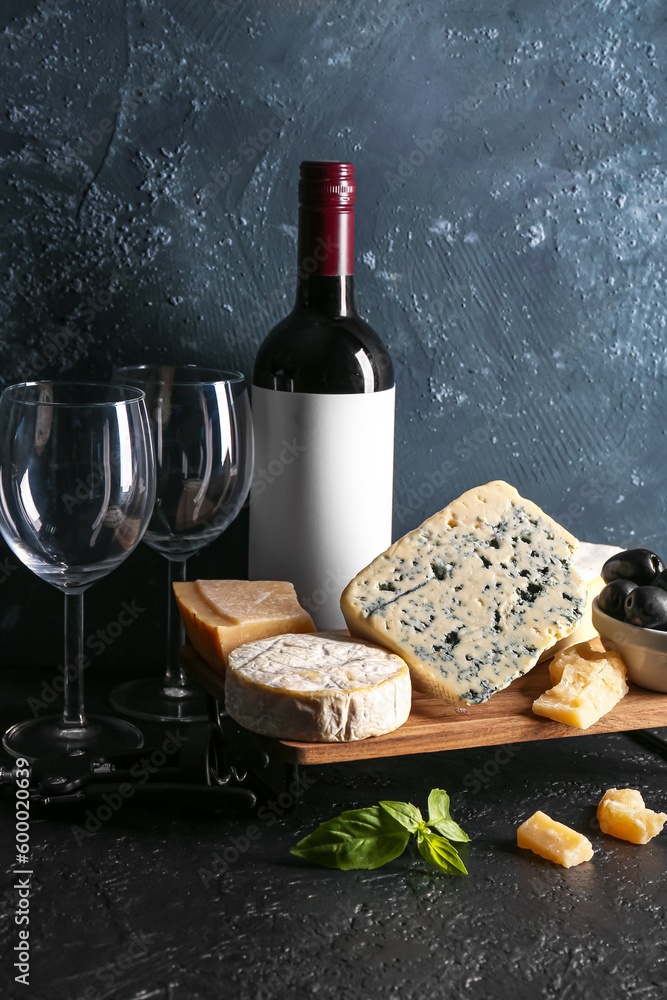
434,725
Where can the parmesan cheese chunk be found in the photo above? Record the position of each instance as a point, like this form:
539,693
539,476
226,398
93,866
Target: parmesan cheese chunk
317,688
588,683
622,814
220,615
473,597
554,841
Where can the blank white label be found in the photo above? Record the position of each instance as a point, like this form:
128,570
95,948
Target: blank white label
321,499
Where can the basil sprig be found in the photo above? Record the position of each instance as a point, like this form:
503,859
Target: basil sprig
368,838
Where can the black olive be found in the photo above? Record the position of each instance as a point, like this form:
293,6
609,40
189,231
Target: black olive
611,598
639,565
646,606
660,580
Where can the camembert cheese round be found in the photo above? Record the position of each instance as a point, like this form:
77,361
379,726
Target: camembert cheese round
322,688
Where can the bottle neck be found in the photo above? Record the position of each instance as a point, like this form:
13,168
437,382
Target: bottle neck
326,260
329,295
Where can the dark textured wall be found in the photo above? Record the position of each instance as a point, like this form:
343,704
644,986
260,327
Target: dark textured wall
510,164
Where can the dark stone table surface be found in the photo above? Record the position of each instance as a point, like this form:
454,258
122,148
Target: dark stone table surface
177,905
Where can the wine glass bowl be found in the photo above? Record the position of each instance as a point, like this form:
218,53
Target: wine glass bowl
202,431
73,514
76,493
203,446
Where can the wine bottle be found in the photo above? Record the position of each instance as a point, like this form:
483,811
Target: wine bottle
323,413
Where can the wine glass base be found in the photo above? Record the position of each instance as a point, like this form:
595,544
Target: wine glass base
148,698
48,737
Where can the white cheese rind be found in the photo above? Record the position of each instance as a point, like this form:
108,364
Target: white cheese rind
317,688
472,597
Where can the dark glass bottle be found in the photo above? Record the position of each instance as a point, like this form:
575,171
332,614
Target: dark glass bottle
323,411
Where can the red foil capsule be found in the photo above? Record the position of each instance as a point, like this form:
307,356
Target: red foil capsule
326,218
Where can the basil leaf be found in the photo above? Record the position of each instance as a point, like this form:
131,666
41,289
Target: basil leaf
451,830
405,813
439,817
359,838
438,806
440,853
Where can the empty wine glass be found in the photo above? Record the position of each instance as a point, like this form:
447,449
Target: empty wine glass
76,493
202,431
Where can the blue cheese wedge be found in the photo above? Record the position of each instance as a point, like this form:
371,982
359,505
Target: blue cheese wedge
473,597
588,563
323,688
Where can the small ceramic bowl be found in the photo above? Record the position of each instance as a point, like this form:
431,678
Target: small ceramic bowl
643,650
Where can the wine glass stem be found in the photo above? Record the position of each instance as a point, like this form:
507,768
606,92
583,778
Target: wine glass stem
73,711
175,676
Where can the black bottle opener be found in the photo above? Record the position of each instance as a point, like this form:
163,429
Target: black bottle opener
195,775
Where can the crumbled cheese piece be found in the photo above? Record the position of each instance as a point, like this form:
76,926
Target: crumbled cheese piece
588,683
554,841
622,814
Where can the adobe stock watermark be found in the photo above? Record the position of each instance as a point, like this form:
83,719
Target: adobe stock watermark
268,815
481,777
246,152
35,22
261,315
453,119
332,585
85,489
262,478
96,643
141,773
373,30
7,568
324,248
23,875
